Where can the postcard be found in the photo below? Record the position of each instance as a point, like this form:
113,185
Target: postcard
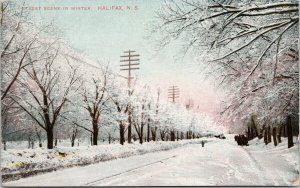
149,93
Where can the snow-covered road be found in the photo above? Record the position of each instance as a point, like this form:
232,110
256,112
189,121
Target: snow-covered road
220,162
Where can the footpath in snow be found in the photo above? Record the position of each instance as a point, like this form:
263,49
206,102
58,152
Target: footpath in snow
220,162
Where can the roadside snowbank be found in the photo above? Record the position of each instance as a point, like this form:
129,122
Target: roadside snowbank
290,155
16,163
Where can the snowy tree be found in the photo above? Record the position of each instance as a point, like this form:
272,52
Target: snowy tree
119,96
246,47
47,94
155,115
141,112
95,99
18,40
16,44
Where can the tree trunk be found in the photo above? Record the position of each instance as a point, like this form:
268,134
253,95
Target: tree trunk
187,134
153,133
29,142
193,135
279,134
122,133
172,136
177,136
140,139
274,136
129,134
91,138
50,138
162,135
95,131
266,136
129,126
74,133
72,141
181,136
248,133
4,145
269,135
252,132
95,137
148,131
55,143
109,138
141,134
289,132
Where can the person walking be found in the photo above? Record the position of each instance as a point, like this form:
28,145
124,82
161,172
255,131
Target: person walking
202,143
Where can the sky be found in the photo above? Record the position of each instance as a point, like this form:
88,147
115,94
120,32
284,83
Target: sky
104,35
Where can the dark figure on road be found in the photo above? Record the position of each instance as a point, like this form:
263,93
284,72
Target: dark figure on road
202,143
242,140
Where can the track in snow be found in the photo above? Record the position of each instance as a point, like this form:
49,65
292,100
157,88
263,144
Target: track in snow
130,170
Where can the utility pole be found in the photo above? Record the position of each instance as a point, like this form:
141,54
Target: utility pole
129,57
173,93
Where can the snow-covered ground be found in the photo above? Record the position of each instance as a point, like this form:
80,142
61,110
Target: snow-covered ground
18,162
220,162
61,143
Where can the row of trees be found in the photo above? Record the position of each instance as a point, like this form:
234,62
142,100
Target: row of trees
250,49
51,92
